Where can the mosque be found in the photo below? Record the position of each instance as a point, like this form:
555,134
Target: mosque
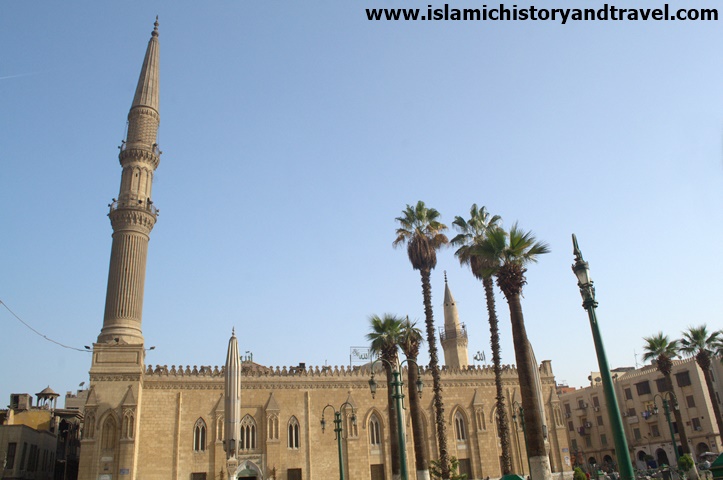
248,421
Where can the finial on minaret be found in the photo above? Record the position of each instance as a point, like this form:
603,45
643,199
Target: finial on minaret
155,27
233,331
445,276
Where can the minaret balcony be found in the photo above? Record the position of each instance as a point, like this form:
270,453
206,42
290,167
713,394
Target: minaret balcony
146,206
451,333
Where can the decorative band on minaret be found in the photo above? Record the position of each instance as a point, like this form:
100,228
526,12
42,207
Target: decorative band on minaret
133,214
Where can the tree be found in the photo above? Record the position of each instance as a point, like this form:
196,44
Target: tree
410,340
660,349
699,343
514,250
420,229
472,233
384,339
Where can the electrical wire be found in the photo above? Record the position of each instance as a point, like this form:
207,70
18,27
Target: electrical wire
40,334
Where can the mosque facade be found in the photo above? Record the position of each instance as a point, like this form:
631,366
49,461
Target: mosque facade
247,421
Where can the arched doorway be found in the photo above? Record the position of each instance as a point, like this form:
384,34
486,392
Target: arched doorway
701,448
662,457
248,470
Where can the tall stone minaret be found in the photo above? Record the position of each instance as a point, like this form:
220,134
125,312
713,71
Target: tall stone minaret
133,214
232,405
116,371
454,336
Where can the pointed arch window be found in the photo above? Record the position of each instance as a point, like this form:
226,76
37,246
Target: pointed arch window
248,433
460,427
199,436
293,430
375,431
89,424
273,426
128,425
109,434
219,428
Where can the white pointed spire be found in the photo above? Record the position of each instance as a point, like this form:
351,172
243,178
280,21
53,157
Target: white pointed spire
232,397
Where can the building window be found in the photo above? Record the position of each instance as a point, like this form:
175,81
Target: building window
10,456
695,423
661,385
628,394
459,427
690,400
128,425
603,439
570,426
377,471
588,441
573,444
219,428
110,432
643,388
683,378
599,420
375,431
198,476
636,433
199,436
248,433
293,474
631,412
654,430
595,402
567,408
273,426
293,433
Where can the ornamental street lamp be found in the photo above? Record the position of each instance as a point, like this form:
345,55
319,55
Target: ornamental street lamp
587,291
398,397
516,407
338,430
665,397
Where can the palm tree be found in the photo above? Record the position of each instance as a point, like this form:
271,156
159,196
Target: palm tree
660,349
420,229
698,343
384,339
513,250
409,341
472,233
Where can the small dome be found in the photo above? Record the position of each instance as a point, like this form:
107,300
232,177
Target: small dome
47,392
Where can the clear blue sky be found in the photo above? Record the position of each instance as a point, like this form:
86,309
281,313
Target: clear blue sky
294,132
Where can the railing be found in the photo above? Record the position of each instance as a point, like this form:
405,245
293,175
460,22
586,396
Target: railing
135,205
445,334
154,148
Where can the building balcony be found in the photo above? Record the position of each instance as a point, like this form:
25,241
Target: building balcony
449,334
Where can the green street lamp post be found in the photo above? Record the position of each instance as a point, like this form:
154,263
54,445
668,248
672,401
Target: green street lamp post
516,407
398,397
664,397
587,291
338,429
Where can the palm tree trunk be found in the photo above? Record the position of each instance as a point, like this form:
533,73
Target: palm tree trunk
678,418
704,363
529,391
502,423
415,409
393,435
436,382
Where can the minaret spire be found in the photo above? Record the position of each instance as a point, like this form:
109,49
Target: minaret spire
454,338
132,214
232,404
